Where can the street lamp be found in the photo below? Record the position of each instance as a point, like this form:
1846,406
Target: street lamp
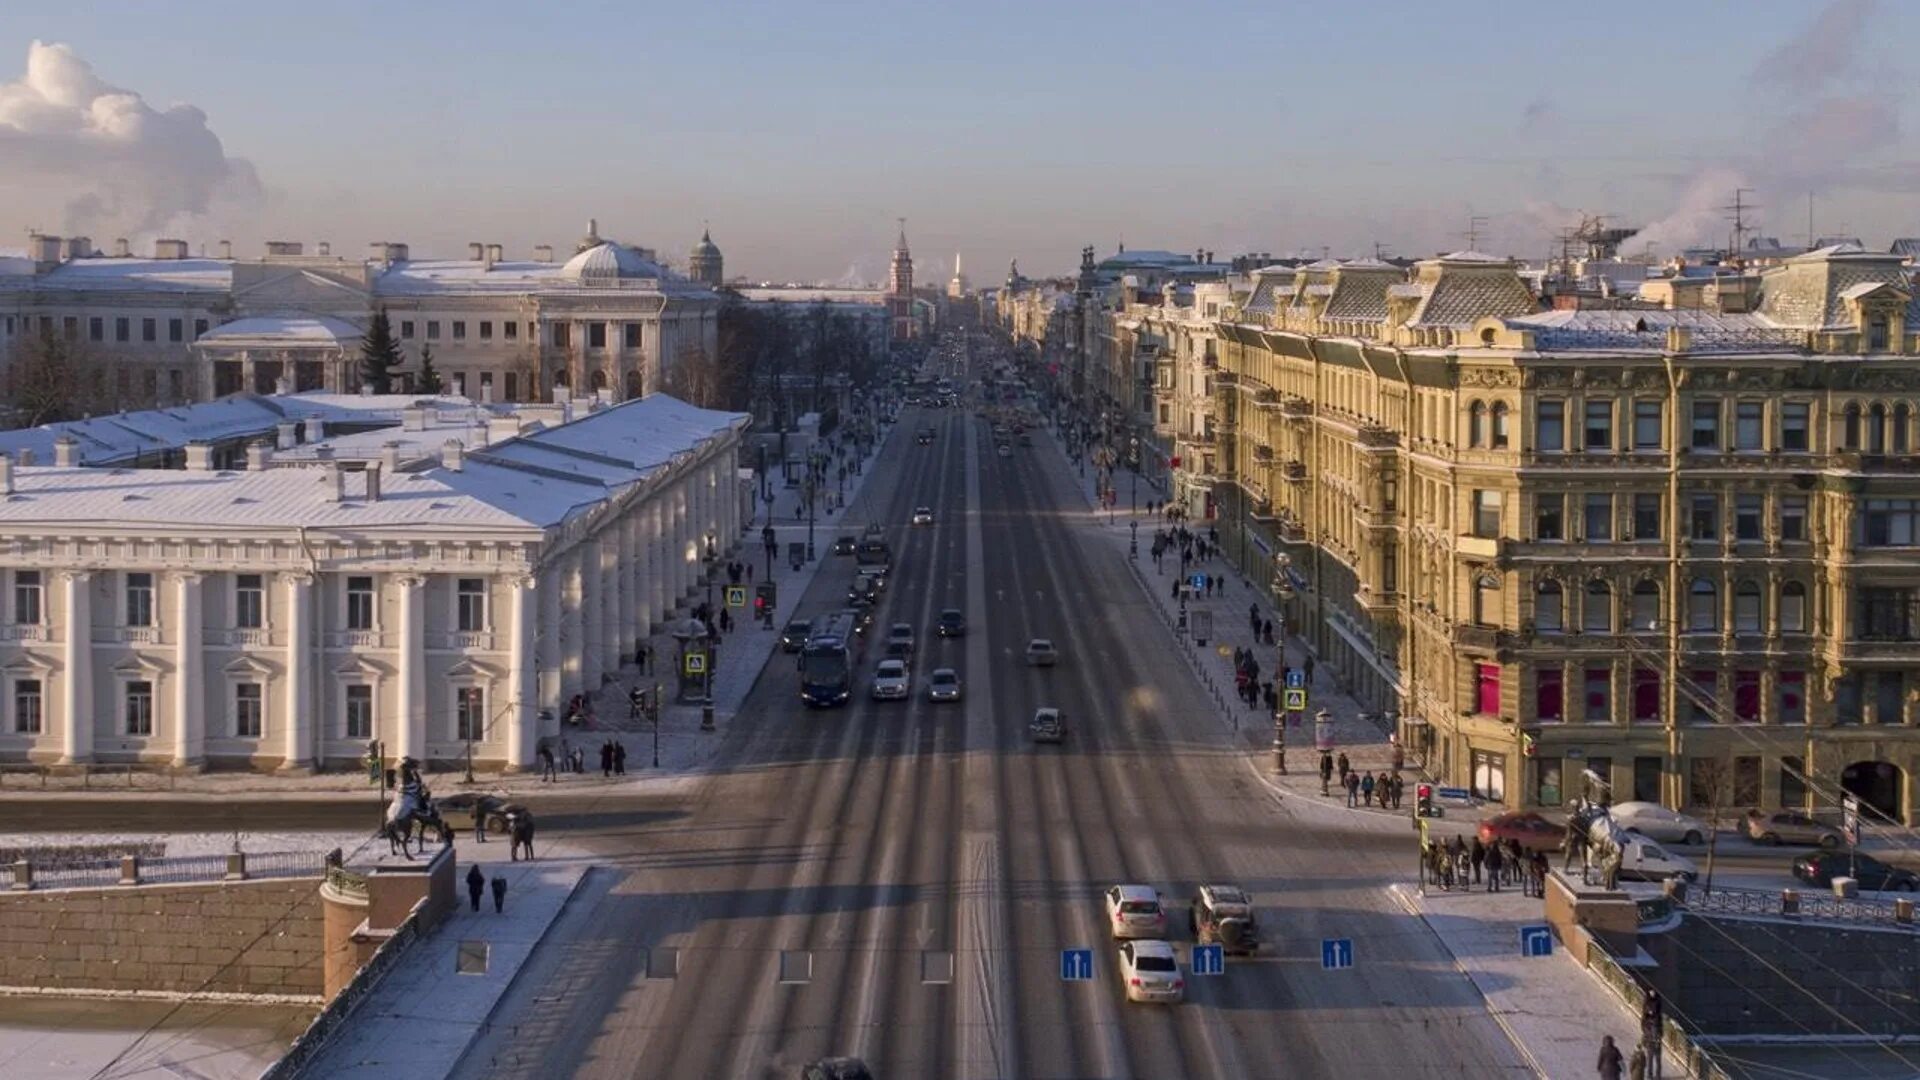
712,558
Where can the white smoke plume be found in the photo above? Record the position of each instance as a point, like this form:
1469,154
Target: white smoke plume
1700,219
114,164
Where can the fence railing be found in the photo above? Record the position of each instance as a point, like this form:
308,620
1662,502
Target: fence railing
1796,903
307,1047
1692,1059
104,871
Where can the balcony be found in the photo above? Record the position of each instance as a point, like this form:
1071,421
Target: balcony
1485,638
1881,652
1226,380
461,640
24,632
1297,407
358,639
1294,471
1291,532
243,637
1262,454
128,635
1266,397
1378,436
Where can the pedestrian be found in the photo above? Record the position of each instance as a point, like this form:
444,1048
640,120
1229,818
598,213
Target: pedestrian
499,885
1652,1015
1266,631
520,832
1353,789
749,573
1326,772
619,758
480,820
546,764
1610,1061
476,884
1366,789
1478,854
1176,585
1637,1064
1496,859
1253,615
1344,767
1516,860
1309,669
579,759
1399,788
606,758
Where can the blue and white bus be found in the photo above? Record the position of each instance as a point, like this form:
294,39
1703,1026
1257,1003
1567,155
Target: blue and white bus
828,658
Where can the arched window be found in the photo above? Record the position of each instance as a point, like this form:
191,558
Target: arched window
1477,425
1597,616
598,380
1500,426
1746,608
1703,606
1548,608
1486,600
1645,613
1850,433
1901,421
1877,429
1793,608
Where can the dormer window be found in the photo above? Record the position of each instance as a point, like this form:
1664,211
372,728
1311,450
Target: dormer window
1877,333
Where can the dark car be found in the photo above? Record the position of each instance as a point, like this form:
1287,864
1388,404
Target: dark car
953,623
1822,867
1223,915
843,545
795,634
836,1068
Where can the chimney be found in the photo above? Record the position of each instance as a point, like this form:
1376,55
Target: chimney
413,418
453,456
79,247
316,429
121,250
476,252
43,248
170,249
258,454
199,457
26,457
377,252
330,481
373,481
325,248
287,434
6,475
284,247
390,456
543,253
225,249
66,452
396,252
495,254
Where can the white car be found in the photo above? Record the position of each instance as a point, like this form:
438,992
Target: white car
1656,821
944,686
1041,653
1134,911
1149,971
923,515
891,681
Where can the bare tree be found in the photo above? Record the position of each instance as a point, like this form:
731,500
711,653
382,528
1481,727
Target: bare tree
53,377
1711,780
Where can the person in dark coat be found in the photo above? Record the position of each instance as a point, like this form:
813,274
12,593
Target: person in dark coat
606,758
480,821
1366,788
1326,772
1478,854
1637,1064
619,759
476,884
546,764
1353,789
1344,768
499,894
1610,1060
1496,860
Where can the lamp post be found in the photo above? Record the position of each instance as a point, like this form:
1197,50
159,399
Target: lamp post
812,489
711,558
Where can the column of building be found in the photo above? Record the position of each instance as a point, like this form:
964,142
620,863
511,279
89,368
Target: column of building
613,572
632,566
297,704
76,678
411,730
549,589
189,704
657,560
682,538
522,645
591,605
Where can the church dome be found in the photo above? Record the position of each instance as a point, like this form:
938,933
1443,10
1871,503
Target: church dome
706,248
607,261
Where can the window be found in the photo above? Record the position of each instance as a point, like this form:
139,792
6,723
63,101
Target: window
1389,494
596,335
1643,610
1550,425
249,601
1703,605
470,713
433,329
1706,517
1793,784
1598,520
486,329
1599,695
1646,425
459,384
1702,700
1747,426
1794,423
1596,615
1599,425
509,331
1889,523
139,707
27,608
1548,605
1477,425
1500,426
70,326
1646,696
1793,517
459,329
1550,696
359,711
176,330
247,711
1486,600
122,329
513,384
1547,509
632,335
139,599
1877,429
1486,514
473,605
1882,614
1746,697
29,707
1646,516
1389,570
1746,608
96,329
1850,432
199,327
560,335
1486,684
1793,608
149,330
359,603
1747,511
1793,703
1706,425
406,328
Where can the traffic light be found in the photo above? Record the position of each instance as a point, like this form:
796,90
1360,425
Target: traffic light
766,596
1528,747
1423,799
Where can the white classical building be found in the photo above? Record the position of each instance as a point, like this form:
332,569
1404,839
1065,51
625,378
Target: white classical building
172,327
272,582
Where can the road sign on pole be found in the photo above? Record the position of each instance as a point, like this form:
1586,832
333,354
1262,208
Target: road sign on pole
1296,701
1536,939
696,663
736,596
1076,965
1336,953
1296,679
1209,959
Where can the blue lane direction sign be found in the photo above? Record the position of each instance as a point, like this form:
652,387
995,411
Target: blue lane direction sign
1336,953
1452,792
1076,965
1296,679
1536,939
1209,959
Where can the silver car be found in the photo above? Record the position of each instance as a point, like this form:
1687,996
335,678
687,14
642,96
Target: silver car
944,685
1650,819
891,681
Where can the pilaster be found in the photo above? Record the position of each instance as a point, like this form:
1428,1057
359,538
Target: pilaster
410,732
189,692
76,678
592,626
297,705
522,730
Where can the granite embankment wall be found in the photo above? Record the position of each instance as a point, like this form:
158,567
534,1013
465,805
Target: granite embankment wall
232,937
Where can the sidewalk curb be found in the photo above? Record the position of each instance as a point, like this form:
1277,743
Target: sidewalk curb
1399,894
486,1022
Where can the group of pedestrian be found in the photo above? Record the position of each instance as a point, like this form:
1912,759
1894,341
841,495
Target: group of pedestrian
613,758
1365,788
477,884
1262,629
1501,864
1246,680
569,759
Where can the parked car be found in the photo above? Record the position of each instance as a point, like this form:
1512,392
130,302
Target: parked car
1150,972
891,681
1534,832
1641,857
1223,914
1134,911
953,623
1652,819
1787,827
1821,867
1041,653
944,685
1048,726
795,634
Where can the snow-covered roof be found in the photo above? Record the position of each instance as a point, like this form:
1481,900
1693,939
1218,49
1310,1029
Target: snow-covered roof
780,294
159,275
309,329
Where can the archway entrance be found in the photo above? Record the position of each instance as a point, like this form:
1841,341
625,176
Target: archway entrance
633,385
1876,784
597,381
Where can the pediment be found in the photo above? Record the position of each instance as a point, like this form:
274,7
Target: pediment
353,665
469,668
27,665
138,665
248,664
294,287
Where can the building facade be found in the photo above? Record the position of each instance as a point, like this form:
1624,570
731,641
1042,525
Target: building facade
904,320
274,583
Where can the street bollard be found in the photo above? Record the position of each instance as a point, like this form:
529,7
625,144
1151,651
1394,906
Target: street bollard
129,870
22,875
1789,901
1903,911
236,866
706,718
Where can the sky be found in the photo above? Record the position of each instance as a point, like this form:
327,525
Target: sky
800,132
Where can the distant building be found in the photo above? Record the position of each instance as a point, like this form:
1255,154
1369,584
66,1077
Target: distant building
957,287
704,264
900,299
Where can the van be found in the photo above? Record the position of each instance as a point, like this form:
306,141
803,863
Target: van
1641,858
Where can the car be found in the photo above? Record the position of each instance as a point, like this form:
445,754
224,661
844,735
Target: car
836,1068
843,545
794,636
925,438
1041,653
923,515
1223,915
953,623
901,632
1048,726
944,685
1534,832
891,681
1821,867
1150,972
1134,911
866,586
1641,856
1653,820
1004,450
898,650
862,617
1788,827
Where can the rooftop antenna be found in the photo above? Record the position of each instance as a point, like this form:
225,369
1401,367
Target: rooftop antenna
1381,251
1475,223
1737,212
1809,221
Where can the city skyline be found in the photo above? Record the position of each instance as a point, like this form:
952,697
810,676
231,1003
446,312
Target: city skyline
799,137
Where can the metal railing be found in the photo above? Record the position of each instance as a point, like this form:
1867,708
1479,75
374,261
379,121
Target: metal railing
101,871
1803,904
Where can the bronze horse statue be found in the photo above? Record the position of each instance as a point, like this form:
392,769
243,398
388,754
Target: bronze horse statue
414,807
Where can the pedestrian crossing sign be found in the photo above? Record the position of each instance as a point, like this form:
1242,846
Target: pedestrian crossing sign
1296,679
736,596
696,663
1296,701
